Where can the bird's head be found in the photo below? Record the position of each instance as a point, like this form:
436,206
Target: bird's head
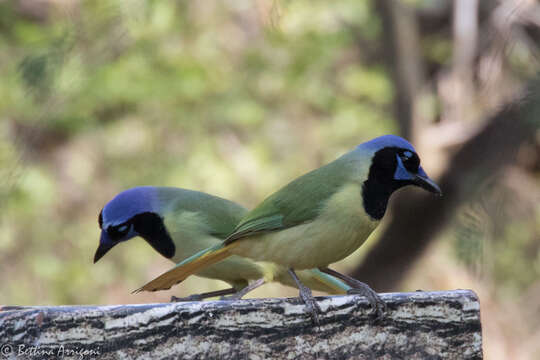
394,164
131,213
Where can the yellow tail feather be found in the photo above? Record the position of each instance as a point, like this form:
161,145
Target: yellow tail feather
179,273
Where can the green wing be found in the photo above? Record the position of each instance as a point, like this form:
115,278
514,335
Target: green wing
298,202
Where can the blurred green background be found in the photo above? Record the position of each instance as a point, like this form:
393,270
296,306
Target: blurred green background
236,98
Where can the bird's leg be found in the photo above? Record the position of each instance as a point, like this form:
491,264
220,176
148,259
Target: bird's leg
200,297
358,287
307,297
241,293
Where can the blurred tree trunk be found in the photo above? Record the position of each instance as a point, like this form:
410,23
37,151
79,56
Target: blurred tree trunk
465,34
403,57
418,217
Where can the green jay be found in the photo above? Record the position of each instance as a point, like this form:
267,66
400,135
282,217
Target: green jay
318,218
178,223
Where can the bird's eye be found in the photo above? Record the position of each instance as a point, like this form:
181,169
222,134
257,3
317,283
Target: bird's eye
118,232
406,155
410,161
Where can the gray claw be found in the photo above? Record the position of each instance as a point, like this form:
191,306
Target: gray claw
194,297
307,298
378,306
312,305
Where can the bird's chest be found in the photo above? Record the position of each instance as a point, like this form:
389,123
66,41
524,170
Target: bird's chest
340,228
188,235
188,244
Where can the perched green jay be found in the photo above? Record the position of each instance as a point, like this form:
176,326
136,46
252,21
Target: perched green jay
319,218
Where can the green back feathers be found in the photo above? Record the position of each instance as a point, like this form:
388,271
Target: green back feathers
298,202
219,215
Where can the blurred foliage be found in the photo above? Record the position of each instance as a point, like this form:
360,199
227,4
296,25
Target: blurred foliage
497,234
232,98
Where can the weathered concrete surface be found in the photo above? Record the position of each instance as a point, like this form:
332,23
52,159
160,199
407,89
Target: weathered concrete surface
420,325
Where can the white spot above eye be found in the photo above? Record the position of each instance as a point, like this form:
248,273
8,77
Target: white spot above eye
407,154
122,228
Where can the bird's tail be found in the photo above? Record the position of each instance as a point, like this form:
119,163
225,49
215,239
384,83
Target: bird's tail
324,282
188,267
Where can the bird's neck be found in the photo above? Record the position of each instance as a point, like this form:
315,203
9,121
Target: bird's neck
375,198
375,190
379,184
150,227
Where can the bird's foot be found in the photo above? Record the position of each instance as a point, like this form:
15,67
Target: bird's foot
241,293
377,304
201,297
194,297
307,297
312,306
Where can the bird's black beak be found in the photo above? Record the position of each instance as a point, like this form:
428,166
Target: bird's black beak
421,179
105,244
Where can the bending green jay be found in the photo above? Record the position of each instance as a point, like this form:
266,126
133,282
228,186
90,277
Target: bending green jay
178,223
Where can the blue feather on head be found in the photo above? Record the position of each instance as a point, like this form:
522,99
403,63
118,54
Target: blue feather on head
129,203
386,141
134,212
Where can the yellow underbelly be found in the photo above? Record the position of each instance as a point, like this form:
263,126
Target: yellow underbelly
341,227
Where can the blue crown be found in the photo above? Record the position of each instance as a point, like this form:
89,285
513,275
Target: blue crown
129,203
386,141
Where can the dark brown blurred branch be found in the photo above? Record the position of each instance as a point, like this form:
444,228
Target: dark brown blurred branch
418,217
403,54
